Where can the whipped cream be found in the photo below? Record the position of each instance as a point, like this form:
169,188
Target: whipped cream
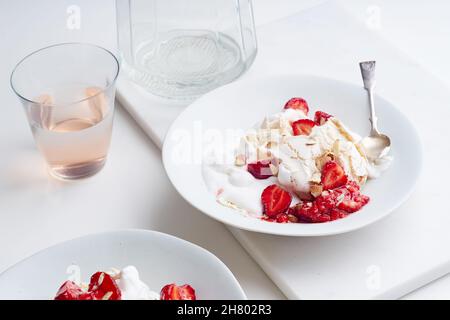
235,187
132,287
299,160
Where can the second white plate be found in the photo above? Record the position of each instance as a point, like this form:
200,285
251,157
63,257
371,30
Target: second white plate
240,105
160,259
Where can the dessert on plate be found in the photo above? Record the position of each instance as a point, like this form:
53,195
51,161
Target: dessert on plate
292,168
122,284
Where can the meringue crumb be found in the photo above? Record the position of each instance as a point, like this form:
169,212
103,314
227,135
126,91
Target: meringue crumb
274,169
316,189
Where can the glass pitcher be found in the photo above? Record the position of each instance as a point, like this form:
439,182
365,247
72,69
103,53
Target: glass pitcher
181,49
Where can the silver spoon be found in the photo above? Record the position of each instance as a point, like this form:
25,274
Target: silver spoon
376,144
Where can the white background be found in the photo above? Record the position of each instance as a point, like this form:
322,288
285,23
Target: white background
133,191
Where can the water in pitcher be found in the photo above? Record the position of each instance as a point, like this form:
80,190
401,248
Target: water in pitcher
73,137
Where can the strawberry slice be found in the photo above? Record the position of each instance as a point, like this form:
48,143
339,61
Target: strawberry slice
321,117
309,212
336,214
297,104
325,202
352,187
104,287
69,291
275,200
174,292
302,127
283,218
350,206
260,169
333,176
353,203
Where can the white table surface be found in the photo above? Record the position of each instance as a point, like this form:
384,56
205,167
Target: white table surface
133,191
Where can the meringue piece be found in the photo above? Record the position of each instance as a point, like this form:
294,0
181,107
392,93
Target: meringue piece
316,190
294,179
274,169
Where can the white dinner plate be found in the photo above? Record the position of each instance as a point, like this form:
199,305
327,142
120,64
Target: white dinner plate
241,104
160,259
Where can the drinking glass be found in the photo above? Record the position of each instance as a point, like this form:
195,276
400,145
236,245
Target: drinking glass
181,49
67,91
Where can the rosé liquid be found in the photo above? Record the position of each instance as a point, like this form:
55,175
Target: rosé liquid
74,138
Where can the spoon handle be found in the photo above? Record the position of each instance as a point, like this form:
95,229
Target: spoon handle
368,75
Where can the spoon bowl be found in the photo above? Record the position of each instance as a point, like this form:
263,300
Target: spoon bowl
376,146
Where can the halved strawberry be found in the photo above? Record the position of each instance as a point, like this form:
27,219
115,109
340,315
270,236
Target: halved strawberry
333,175
104,287
302,127
321,117
275,200
297,104
260,169
69,290
174,292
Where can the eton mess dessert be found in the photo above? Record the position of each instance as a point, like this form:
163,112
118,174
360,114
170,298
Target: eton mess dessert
121,285
293,169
